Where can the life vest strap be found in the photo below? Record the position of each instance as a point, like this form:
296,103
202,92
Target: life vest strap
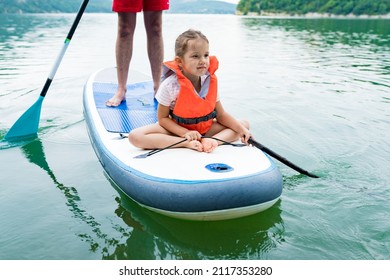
197,120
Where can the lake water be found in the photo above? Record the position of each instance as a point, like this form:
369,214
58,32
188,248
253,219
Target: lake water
317,91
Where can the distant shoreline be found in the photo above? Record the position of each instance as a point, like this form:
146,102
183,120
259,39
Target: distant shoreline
261,15
313,15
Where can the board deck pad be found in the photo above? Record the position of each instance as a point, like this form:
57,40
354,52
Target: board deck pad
139,108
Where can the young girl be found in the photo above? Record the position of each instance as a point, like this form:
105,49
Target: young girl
189,105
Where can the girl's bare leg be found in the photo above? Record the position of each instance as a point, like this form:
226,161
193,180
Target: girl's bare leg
156,137
222,132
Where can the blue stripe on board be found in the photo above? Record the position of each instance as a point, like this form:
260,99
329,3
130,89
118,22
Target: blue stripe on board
137,110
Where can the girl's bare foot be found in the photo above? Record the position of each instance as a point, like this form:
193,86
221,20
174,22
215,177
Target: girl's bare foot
209,144
195,145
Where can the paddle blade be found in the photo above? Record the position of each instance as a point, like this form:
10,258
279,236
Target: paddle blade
143,155
27,125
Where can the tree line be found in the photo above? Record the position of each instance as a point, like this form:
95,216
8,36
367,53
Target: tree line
104,6
52,6
300,7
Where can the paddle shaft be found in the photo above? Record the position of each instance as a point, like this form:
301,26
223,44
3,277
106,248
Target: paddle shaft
64,48
181,141
280,158
155,151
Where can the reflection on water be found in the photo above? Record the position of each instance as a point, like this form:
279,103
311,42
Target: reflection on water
35,154
368,36
26,46
325,26
26,31
246,238
149,235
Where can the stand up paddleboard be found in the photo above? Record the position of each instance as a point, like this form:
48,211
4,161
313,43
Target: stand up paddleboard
228,183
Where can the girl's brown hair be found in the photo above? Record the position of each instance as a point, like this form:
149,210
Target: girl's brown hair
182,41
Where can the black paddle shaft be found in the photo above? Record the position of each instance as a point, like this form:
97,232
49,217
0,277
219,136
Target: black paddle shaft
280,158
66,43
77,19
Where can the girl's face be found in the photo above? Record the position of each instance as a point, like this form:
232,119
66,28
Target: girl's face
195,61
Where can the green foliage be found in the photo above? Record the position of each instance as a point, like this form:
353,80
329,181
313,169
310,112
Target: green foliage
71,6
52,6
337,7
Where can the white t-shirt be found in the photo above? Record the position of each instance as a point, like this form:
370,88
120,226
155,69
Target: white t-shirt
169,89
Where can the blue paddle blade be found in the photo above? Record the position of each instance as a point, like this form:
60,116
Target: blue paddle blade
27,125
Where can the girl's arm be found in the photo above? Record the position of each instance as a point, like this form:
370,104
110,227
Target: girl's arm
166,122
227,120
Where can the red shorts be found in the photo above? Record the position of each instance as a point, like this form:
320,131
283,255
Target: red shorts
136,6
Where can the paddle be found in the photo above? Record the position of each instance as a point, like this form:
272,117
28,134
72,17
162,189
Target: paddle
27,125
145,155
280,158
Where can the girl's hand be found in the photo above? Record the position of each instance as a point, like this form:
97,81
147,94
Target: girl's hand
245,135
192,135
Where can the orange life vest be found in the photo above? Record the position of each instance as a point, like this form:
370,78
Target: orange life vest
192,111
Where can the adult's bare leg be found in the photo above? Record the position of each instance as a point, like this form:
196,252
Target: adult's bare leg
155,44
123,52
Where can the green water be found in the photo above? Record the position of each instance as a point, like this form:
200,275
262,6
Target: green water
317,91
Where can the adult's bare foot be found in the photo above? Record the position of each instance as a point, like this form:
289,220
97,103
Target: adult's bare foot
117,99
